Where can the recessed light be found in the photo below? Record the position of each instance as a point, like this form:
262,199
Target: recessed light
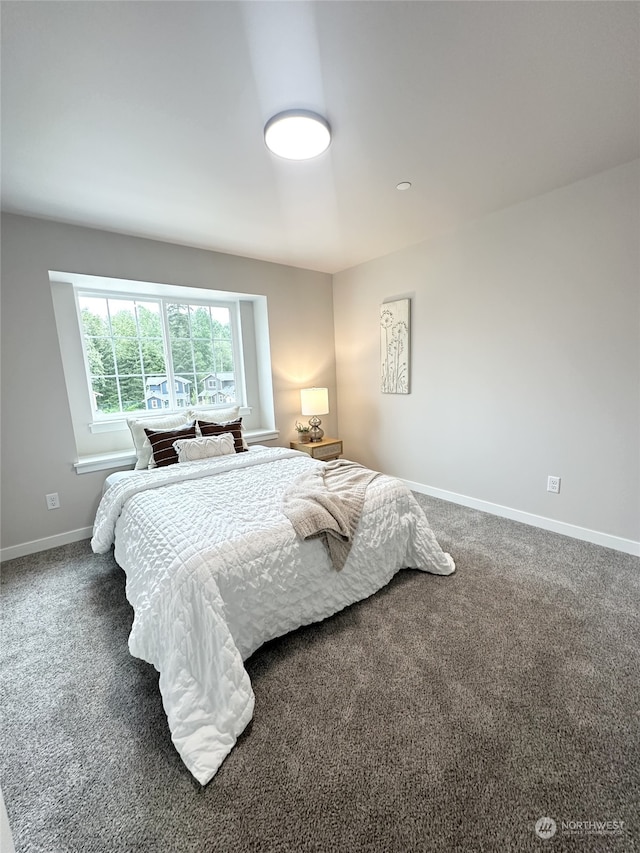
403,185
297,134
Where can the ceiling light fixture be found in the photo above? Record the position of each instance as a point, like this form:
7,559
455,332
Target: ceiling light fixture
403,185
297,135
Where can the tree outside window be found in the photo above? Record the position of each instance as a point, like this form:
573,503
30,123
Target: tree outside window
149,354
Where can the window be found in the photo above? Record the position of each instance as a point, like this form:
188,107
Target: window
131,347
146,354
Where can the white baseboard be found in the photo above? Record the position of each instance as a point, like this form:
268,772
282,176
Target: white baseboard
27,548
628,546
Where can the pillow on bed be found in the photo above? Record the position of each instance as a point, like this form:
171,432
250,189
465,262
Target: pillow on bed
140,440
234,427
162,450
214,416
219,416
208,447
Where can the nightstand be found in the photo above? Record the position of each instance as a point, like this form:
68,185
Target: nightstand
325,449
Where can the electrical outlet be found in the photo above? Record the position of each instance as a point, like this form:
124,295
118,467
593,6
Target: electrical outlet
53,501
553,484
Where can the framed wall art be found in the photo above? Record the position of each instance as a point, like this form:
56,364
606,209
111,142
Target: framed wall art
395,344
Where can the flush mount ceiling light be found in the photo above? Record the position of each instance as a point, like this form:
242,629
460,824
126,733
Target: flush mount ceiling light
403,185
297,135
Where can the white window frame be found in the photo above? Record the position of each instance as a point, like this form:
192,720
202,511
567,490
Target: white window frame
102,418
103,441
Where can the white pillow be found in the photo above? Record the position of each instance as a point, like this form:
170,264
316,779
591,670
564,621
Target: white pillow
140,440
191,449
214,416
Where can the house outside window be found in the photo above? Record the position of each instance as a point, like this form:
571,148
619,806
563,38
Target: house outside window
146,353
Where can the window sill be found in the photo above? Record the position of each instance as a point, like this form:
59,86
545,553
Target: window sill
115,424
105,462
127,458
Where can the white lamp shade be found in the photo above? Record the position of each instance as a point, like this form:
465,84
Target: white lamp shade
314,401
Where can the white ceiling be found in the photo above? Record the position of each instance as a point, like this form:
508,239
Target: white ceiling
147,117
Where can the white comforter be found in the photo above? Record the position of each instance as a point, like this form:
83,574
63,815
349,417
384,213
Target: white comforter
214,570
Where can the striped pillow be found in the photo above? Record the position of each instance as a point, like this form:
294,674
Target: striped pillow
140,440
162,449
234,427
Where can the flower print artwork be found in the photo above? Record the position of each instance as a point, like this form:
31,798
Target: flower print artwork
394,347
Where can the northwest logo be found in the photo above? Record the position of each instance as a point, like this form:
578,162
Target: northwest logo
546,827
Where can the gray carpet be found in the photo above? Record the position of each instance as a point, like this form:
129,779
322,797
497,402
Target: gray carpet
442,714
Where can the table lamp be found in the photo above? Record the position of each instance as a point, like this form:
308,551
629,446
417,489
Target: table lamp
315,401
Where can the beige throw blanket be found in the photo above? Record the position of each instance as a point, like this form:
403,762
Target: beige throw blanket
326,503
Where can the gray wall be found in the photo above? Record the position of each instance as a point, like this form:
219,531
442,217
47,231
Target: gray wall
38,446
526,358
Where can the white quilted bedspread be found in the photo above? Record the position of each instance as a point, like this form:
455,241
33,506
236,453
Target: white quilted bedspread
214,570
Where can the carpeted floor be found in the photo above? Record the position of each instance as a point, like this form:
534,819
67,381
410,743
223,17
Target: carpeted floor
442,714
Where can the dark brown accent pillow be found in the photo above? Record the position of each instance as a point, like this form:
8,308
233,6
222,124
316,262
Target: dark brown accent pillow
234,427
162,449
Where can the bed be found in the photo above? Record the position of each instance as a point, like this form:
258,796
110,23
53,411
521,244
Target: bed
214,569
